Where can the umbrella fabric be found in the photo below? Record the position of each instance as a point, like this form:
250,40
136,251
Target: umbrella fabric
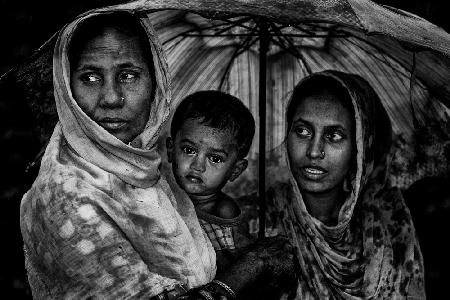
403,57
215,45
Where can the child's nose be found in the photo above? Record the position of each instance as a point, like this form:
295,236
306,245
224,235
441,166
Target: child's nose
198,163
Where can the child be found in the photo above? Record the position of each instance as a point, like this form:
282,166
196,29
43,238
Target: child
211,133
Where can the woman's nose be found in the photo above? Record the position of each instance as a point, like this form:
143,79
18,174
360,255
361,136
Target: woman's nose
316,149
112,96
198,163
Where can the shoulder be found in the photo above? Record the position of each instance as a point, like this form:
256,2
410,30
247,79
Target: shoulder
227,208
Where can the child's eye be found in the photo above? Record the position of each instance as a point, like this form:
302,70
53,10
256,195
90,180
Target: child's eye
91,78
335,136
216,159
128,77
303,132
188,150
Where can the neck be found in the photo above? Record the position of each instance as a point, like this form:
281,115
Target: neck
204,202
325,206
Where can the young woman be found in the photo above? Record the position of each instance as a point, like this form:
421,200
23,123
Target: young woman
353,235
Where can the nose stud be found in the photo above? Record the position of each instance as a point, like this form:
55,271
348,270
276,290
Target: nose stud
122,99
322,154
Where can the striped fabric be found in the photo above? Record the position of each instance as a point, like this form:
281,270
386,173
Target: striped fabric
221,236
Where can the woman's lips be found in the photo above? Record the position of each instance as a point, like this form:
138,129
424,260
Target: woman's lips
112,124
314,173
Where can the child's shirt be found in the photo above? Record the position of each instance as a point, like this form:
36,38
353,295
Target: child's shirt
224,233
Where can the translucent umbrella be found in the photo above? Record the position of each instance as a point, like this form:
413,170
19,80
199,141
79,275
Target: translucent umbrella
258,50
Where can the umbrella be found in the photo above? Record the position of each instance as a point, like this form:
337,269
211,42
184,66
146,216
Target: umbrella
258,49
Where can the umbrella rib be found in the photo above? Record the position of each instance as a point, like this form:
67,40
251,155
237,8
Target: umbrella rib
231,24
326,33
182,34
308,31
239,50
212,27
292,46
241,24
383,53
216,35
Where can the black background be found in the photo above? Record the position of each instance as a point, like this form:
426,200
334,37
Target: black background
24,26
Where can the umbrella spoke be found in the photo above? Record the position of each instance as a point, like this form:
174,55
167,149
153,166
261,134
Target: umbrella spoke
248,42
184,33
218,35
382,52
231,24
292,49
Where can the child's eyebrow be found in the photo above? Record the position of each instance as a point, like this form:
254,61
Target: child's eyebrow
219,151
216,150
185,140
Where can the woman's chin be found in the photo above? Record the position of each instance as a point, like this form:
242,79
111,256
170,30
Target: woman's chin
314,187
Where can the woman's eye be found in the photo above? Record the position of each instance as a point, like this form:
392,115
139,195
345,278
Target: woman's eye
215,159
128,77
91,78
303,132
188,150
335,136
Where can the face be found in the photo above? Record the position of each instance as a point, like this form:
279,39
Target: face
203,159
112,84
319,144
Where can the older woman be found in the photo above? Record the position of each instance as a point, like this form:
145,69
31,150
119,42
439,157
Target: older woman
353,235
100,221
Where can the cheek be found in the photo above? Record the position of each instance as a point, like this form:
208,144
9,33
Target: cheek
181,161
139,105
84,97
295,150
342,160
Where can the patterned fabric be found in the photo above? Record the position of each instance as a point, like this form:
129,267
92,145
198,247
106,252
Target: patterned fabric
220,236
225,234
372,253
99,221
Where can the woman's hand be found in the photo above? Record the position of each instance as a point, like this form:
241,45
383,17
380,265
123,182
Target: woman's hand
266,268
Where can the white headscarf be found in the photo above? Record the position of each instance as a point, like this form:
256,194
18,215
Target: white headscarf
97,198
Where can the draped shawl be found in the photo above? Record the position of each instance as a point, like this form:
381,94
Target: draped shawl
100,220
372,252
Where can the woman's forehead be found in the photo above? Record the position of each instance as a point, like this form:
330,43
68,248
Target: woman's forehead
325,105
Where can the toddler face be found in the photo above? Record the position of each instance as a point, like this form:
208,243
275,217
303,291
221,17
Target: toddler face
203,159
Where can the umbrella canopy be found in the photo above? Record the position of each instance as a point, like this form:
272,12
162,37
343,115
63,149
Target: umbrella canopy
258,50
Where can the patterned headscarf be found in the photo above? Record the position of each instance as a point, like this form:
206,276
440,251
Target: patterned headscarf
372,252
100,221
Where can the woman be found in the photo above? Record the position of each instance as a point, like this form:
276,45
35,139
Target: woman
353,235
100,221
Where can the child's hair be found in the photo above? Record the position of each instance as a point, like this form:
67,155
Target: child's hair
217,110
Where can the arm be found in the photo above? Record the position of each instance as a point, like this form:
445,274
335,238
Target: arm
81,252
264,271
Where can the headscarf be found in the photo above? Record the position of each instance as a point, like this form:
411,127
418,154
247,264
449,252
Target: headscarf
372,252
100,220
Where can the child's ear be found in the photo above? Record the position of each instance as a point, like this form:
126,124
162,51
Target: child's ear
169,146
239,167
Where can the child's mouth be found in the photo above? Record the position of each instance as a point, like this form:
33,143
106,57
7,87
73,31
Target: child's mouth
194,179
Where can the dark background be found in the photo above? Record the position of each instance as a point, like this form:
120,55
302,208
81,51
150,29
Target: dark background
24,26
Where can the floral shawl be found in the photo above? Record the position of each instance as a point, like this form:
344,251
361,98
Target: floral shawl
372,253
99,220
